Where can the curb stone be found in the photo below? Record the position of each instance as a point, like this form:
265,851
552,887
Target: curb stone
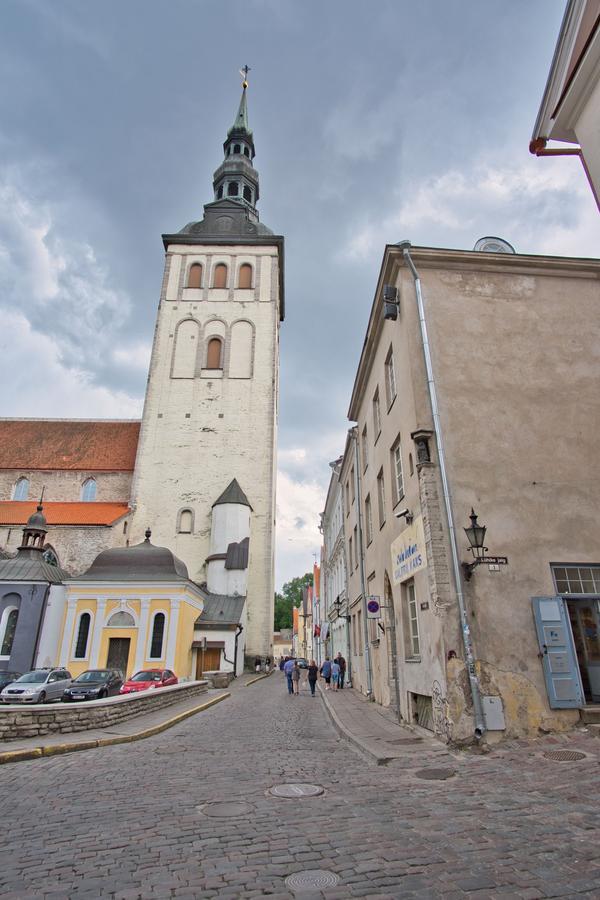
258,678
55,749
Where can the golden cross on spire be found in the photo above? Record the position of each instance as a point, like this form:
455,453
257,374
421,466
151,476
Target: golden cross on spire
244,73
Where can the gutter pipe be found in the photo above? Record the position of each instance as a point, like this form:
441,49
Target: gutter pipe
239,630
464,622
537,147
363,584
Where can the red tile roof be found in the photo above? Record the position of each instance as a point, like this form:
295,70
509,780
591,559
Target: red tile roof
79,444
16,512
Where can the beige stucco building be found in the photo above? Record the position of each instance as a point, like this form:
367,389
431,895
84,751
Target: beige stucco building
570,108
483,396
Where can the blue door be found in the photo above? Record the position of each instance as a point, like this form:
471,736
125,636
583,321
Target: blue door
559,659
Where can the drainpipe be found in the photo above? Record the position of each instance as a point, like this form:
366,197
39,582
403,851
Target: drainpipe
464,622
538,147
240,628
361,557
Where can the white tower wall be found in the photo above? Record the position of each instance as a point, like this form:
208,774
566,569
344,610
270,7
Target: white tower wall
203,427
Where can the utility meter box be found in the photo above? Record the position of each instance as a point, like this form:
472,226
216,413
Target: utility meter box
493,713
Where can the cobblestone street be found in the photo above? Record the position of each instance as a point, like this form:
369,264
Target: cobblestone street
131,822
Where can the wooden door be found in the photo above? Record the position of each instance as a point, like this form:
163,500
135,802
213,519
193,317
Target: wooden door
118,654
211,661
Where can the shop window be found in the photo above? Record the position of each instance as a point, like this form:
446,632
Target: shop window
411,622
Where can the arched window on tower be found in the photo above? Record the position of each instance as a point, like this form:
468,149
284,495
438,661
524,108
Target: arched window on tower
158,634
214,354
88,491
246,151
195,276
83,634
8,626
232,189
220,192
247,194
21,489
220,276
237,148
245,276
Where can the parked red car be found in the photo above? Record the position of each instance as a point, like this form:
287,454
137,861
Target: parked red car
149,678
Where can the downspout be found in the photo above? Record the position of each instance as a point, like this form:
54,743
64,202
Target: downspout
361,557
538,147
464,622
240,628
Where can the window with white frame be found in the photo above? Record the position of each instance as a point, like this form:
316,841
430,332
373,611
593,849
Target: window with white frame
158,635
397,475
352,484
8,627
83,634
411,622
21,489
390,378
376,416
369,519
350,557
356,547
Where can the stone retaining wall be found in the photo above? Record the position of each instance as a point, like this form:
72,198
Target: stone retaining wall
24,721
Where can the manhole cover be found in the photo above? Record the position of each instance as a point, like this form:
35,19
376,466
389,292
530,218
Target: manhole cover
564,755
295,791
222,810
435,774
311,880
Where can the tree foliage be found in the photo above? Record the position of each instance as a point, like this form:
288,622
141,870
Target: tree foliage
290,596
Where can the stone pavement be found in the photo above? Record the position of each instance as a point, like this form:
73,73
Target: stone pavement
153,819
135,728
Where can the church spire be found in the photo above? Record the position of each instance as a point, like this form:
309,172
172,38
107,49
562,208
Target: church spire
236,178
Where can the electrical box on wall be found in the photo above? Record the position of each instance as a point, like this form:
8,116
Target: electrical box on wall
493,713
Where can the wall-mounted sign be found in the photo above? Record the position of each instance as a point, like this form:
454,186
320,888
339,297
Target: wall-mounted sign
408,552
373,608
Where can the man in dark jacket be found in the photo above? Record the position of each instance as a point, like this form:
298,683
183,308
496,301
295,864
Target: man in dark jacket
342,664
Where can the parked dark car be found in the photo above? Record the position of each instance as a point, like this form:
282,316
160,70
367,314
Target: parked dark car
7,678
94,684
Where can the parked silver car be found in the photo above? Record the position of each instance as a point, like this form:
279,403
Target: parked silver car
37,686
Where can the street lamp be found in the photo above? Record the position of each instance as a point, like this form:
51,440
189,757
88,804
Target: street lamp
476,537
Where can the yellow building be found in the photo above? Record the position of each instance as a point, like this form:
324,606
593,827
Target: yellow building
134,608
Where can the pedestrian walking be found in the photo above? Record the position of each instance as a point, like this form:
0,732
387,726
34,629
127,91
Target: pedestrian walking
296,677
335,675
257,664
342,664
288,669
326,672
267,664
313,674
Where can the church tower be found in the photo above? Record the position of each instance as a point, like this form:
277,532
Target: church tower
210,414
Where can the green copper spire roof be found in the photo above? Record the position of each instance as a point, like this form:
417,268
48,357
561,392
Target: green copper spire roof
241,120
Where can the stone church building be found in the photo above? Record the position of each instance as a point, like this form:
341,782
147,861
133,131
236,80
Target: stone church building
199,468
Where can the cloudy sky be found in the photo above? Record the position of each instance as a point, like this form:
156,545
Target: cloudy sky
373,122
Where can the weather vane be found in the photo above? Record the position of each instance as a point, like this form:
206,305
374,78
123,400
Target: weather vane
244,74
